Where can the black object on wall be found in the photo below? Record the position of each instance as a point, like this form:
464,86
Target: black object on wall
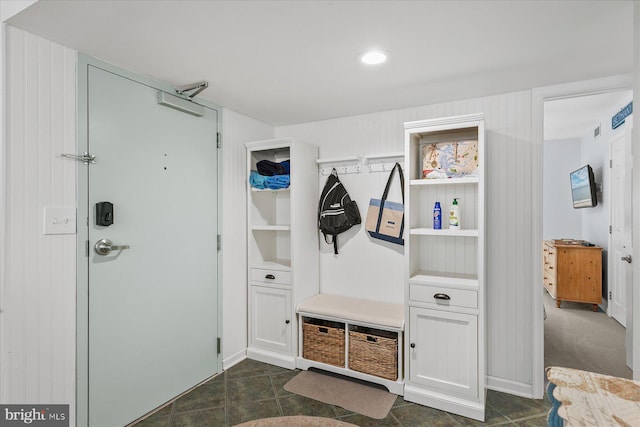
104,213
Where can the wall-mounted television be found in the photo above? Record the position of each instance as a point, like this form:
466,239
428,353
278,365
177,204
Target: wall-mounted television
583,188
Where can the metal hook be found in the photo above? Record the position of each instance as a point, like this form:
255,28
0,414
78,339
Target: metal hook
85,157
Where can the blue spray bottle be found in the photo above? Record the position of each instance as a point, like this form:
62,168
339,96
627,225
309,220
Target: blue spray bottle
437,217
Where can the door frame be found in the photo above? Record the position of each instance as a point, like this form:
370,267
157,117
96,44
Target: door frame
538,98
82,267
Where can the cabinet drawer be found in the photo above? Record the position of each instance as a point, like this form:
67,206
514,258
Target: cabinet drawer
550,284
550,271
548,255
549,280
270,276
549,261
457,297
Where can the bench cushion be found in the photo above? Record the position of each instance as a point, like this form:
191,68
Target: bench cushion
386,314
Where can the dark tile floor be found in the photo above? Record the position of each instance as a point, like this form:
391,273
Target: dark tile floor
251,390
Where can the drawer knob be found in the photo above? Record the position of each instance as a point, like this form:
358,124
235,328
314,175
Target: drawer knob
412,345
287,321
443,297
270,276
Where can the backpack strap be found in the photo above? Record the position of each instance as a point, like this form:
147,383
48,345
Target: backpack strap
335,242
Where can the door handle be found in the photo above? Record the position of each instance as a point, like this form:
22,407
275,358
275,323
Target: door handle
626,258
105,246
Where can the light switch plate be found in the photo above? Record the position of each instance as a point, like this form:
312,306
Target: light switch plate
59,220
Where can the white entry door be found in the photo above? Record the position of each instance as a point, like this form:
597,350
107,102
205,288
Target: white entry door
153,297
621,221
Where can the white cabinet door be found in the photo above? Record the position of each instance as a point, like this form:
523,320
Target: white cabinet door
443,351
271,319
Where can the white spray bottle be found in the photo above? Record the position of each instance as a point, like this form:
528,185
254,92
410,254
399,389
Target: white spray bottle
454,215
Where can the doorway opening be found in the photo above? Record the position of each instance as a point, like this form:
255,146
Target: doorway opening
578,132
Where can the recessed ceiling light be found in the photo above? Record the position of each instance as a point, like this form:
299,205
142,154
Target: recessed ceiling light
372,57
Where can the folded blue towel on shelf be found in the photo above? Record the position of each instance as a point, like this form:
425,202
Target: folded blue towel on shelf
257,181
277,182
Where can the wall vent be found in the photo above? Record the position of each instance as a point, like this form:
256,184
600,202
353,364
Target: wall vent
596,132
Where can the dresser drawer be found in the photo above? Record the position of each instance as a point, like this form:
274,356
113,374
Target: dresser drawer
270,276
550,269
548,260
456,297
550,284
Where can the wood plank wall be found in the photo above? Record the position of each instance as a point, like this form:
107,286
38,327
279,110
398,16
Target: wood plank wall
38,281
236,130
511,182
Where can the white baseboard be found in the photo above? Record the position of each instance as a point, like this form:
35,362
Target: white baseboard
283,360
493,383
234,359
511,387
467,408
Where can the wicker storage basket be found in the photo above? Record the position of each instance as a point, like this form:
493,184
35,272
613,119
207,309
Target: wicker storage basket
374,352
323,341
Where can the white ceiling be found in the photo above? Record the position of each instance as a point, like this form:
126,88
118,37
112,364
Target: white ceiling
287,62
577,117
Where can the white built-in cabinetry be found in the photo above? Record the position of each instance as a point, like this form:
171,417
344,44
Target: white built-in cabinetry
282,250
378,360
444,276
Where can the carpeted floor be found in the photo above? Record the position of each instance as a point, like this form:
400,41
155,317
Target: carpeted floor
576,337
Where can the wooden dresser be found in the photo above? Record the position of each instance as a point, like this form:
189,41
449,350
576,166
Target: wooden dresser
572,271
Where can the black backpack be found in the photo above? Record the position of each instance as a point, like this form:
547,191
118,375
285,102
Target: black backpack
336,212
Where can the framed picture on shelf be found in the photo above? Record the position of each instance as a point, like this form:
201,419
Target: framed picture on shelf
451,159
